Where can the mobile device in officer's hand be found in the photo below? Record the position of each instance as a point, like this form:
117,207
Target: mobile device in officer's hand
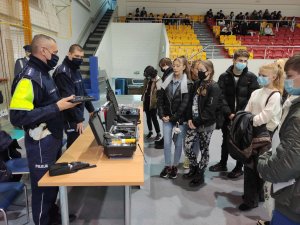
77,99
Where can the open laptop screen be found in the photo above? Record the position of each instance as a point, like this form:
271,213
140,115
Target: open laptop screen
110,96
97,128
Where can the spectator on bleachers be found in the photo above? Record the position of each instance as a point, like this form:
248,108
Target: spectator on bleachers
151,17
221,22
253,15
273,15
152,83
165,19
143,12
173,18
209,14
266,15
177,87
227,30
129,18
187,20
222,16
137,16
239,16
260,15
137,11
284,22
265,105
278,15
217,16
281,166
243,28
236,84
268,31
246,17
201,121
236,29
231,16
158,19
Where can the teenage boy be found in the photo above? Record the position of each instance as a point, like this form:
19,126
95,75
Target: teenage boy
236,84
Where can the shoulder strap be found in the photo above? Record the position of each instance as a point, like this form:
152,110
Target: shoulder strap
272,93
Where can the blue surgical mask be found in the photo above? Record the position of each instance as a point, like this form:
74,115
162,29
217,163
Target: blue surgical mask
263,81
240,66
289,87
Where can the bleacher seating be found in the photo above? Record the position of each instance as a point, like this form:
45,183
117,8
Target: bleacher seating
183,41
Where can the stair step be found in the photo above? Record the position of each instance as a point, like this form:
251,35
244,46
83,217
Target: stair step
89,52
84,68
91,45
86,60
94,39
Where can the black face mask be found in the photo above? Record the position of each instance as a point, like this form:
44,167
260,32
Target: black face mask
201,75
77,62
53,61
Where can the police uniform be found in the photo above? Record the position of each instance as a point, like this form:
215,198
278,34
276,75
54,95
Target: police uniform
33,107
20,64
68,79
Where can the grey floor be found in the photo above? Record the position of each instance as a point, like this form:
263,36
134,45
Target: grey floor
160,201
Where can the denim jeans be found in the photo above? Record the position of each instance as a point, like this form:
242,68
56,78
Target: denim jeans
168,134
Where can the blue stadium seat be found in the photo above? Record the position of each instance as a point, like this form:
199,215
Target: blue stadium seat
18,166
8,193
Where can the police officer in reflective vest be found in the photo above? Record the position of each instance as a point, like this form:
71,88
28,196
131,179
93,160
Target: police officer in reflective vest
68,80
21,62
36,106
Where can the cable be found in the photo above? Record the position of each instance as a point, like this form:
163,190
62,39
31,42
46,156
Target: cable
142,154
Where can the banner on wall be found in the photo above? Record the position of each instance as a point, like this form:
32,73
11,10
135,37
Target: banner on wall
85,3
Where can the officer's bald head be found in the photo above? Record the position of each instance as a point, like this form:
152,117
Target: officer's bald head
43,47
41,40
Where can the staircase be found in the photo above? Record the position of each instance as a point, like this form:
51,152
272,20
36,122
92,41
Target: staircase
207,39
93,42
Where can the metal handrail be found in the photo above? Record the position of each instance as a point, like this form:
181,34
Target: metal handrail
248,46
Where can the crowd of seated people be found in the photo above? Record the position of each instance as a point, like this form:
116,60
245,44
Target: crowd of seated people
247,23
165,18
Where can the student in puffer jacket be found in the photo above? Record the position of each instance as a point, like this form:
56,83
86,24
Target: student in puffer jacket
201,121
282,166
172,109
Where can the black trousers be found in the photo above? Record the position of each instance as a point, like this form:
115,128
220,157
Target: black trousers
253,184
225,152
41,155
152,117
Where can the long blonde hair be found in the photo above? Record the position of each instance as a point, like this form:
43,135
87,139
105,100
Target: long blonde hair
276,68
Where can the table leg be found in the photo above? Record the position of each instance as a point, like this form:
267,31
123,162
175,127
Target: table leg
127,205
63,197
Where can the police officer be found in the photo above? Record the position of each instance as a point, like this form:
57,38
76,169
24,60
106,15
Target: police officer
21,62
68,80
36,106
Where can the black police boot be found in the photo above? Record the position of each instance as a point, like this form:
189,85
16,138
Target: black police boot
198,180
191,173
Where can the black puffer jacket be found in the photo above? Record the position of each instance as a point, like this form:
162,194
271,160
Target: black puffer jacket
174,106
207,103
167,73
239,92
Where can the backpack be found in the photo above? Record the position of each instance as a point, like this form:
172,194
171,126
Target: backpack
246,140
